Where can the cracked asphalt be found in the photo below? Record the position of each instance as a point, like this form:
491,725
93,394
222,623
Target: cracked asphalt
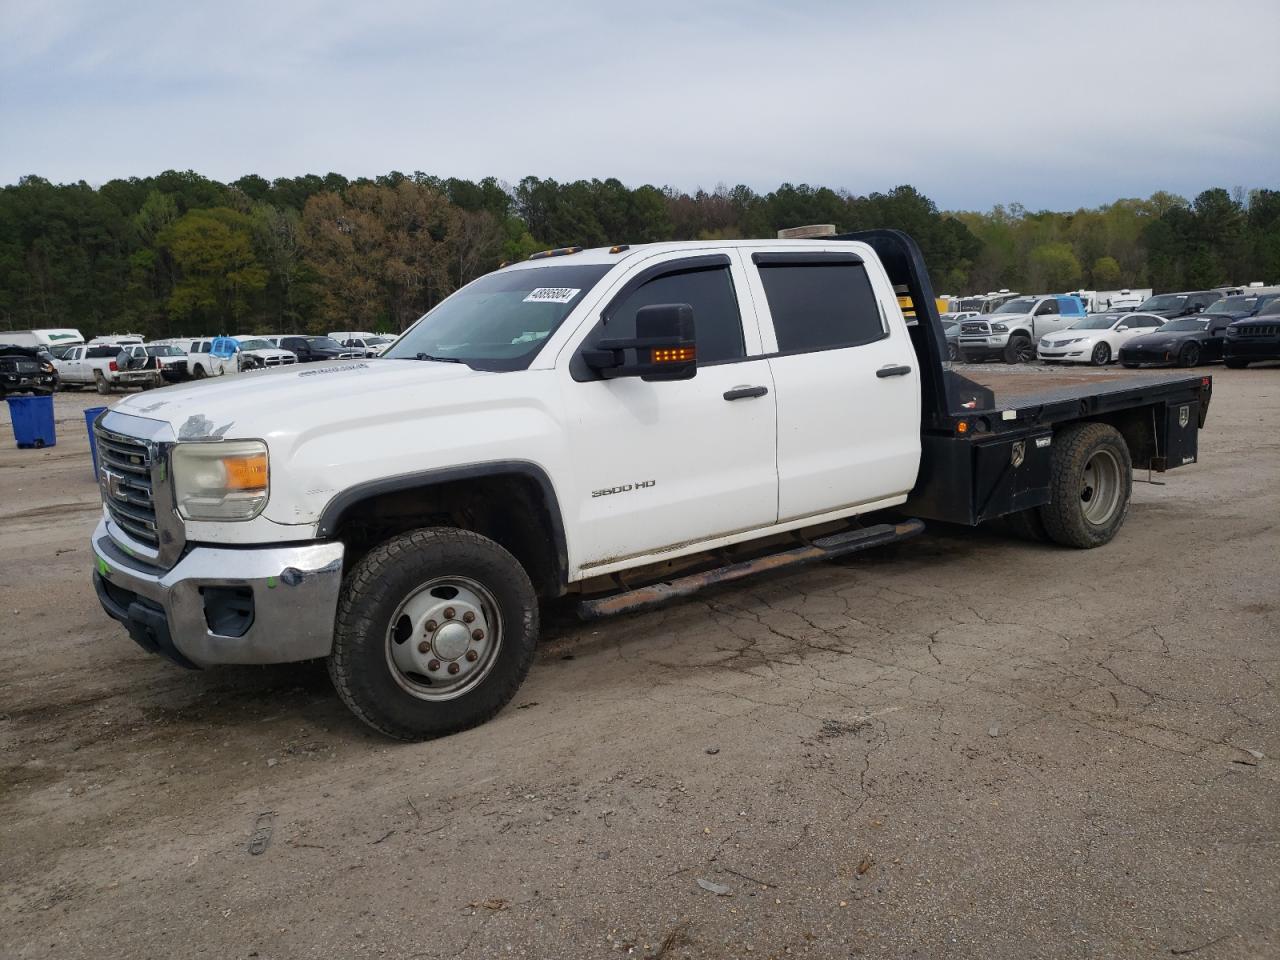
961,746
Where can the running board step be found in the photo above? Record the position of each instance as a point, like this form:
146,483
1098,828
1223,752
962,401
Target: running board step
824,548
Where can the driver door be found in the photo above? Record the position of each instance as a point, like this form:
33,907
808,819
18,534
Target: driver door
661,465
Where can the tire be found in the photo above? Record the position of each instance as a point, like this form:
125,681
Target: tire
1129,366
199,373
100,383
388,599
1090,481
1236,364
1189,356
1027,525
1101,355
953,352
1019,349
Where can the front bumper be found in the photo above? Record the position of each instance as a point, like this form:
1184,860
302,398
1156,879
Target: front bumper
1163,355
1251,348
222,605
983,347
18,382
1065,353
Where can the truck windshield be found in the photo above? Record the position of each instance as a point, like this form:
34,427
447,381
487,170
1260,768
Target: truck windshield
500,321
1166,301
1020,305
1233,305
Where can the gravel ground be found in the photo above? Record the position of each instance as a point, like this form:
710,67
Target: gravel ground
962,746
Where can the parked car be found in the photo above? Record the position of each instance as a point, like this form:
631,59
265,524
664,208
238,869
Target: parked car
1184,342
1173,305
257,353
213,357
313,349
372,344
951,330
1254,339
1096,339
1242,306
589,422
97,366
26,369
1011,331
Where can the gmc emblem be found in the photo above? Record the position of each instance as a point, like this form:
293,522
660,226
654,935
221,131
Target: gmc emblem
111,484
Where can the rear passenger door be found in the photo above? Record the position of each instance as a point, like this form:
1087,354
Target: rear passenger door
846,378
665,464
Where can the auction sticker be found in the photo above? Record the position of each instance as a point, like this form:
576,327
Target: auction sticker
552,294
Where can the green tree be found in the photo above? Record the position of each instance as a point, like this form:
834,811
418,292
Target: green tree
1105,273
213,250
1054,268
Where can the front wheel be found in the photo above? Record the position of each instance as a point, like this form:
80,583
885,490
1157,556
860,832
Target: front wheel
1090,480
953,351
1189,356
1101,355
435,631
1019,349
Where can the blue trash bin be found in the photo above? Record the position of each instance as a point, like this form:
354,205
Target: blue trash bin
91,415
32,421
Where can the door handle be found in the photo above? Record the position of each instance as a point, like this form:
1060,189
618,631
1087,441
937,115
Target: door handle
745,393
895,370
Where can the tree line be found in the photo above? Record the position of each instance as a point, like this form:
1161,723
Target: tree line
179,253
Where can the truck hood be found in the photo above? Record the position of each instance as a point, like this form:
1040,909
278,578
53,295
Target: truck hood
274,402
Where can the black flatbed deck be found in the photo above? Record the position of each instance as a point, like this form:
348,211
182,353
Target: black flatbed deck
1035,389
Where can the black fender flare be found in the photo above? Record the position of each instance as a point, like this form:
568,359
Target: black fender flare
338,505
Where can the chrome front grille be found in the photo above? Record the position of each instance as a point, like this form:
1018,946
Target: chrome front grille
125,479
975,327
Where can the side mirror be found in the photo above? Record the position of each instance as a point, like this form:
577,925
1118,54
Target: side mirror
664,346
1121,328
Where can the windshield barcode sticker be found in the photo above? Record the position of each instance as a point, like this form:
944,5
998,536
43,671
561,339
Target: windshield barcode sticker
552,294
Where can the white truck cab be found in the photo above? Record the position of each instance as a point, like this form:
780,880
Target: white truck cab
626,424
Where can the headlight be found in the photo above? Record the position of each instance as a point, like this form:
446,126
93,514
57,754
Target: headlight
225,480
1044,343
999,328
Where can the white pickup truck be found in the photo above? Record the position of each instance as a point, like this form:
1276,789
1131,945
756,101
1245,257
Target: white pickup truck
627,425
97,365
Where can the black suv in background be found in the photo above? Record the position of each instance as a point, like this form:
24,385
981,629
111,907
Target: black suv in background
311,349
1173,305
1257,338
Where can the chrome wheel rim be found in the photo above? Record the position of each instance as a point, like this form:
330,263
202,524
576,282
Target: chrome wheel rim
1101,354
444,638
1100,487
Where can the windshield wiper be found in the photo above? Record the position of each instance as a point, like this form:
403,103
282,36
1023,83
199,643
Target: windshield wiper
427,356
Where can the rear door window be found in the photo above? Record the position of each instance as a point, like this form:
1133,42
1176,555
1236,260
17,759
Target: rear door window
819,304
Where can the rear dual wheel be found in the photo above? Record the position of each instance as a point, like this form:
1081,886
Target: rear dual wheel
1090,482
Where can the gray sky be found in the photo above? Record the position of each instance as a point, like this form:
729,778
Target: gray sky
1053,105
